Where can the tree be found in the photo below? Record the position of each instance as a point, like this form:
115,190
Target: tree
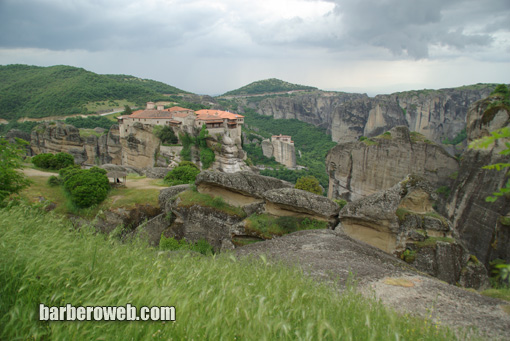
11,179
185,173
310,184
502,134
165,134
127,110
86,187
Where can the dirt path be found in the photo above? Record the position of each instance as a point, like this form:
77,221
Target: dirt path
131,183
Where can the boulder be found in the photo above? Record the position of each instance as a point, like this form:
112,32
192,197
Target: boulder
296,202
168,195
239,188
402,221
156,172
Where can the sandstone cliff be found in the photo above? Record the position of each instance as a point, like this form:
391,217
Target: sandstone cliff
402,221
437,114
60,137
361,168
482,225
283,152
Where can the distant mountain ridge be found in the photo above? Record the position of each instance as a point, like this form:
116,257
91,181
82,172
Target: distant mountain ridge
271,85
34,91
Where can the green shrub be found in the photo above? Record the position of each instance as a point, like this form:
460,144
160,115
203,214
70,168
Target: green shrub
184,173
310,184
86,187
340,202
53,161
54,181
444,190
172,244
207,157
165,134
266,226
11,179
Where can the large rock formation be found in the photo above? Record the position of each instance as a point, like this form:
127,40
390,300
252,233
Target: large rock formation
282,149
238,188
437,114
401,221
229,153
60,137
251,194
482,225
361,168
364,117
333,257
139,147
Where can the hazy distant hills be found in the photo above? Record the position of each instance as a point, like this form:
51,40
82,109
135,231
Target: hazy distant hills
33,91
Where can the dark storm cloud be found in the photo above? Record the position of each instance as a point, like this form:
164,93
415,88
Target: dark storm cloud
96,25
406,28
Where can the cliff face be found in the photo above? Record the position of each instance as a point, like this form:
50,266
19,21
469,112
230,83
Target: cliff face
480,223
402,221
139,147
283,152
59,137
314,108
357,169
437,114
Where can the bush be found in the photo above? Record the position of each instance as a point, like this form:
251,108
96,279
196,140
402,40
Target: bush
165,134
11,179
172,244
54,181
53,161
340,202
86,187
207,157
310,184
185,173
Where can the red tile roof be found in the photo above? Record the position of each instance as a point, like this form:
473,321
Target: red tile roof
208,114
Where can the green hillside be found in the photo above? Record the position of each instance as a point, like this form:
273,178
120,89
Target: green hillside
33,91
267,86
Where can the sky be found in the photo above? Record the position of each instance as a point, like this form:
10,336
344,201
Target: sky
213,46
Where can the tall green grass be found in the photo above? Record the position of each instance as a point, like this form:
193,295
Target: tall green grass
43,260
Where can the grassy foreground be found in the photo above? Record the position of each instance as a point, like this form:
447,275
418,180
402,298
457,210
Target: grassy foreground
43,260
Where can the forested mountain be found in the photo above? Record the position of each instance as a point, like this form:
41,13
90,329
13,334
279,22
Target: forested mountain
267,86
33,91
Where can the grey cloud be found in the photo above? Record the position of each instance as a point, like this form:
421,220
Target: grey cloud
404,27
96,25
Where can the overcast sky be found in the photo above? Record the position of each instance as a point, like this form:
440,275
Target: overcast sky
213,46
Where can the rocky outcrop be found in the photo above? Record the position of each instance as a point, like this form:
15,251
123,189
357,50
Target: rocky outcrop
245,194
239,188
437,114
296,202
311,107
357,169
482,225
282,151
60,137
140,146
364,117
229,153
333,257
402,221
